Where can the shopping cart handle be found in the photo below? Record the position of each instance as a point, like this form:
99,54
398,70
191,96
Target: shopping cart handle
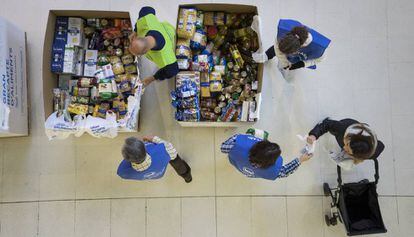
376,176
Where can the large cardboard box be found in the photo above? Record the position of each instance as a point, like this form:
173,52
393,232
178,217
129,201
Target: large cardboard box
50,80
230,8
13,104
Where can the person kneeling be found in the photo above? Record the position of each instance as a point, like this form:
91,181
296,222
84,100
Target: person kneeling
259,158
149,159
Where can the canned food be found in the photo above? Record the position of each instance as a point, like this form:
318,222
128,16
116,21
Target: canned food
217,110
79,99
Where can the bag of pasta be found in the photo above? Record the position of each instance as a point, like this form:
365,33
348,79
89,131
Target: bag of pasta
186,22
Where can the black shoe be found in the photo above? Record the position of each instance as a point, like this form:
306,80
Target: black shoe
188,178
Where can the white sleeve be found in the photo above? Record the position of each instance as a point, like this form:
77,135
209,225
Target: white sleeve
168,146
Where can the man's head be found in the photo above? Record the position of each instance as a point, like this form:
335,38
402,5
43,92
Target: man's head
138,46
360,141
134,150
293,40
264,154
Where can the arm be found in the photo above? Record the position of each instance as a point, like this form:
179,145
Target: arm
166,72
327,125
292,166
289,168
283,61
313,62
228,144
168,146
270,53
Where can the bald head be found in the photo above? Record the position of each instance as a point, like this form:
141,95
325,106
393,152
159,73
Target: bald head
139,46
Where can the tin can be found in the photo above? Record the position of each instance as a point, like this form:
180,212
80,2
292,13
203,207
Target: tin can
243,74
228,96
235,96
236,68
87,82
79,99
230,65
79,91
217,110
222,98
119,52
239,89
130,69
127,59
222,104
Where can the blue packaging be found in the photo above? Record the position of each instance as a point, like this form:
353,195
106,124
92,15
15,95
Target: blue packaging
192,115
61,31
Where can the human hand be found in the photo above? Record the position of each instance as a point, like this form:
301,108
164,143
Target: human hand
311,139
148,138
305,157
148,80
259,57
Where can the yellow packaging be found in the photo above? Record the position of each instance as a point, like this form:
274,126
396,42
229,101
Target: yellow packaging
215,82
183,48
78,108
186,23
205,84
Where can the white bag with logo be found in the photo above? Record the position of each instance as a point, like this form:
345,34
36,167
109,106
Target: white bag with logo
57,127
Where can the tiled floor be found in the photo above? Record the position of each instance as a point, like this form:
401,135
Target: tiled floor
70,188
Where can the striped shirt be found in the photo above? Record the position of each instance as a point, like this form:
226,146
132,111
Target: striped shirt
147,162
285,171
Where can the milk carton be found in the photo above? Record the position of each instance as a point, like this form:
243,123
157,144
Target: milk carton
91,60
75,31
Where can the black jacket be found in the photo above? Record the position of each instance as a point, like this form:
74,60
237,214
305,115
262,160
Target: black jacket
338,128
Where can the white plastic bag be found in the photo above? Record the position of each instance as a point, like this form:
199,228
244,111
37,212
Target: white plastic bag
308,148
56,127
99,127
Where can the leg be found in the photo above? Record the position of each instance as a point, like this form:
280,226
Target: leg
182,168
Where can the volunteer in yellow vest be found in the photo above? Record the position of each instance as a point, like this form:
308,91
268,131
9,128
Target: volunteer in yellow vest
155,40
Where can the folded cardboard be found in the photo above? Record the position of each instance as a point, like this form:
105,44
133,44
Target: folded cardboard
13,104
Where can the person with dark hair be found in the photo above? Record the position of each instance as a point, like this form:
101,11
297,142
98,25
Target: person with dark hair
256,157
357,141
296,46
155,40
149,159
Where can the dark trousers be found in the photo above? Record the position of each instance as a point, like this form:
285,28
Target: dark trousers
181,167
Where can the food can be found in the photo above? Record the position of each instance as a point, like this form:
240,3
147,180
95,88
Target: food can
217,110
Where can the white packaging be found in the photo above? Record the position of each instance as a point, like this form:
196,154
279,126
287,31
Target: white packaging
91,59
75,31
70,58
245,111
13,103
252,111
80,63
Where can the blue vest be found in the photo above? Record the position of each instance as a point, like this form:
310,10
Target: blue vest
313,51
159,162
239,158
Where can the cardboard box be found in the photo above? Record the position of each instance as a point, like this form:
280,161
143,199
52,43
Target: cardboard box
13,104
50,80
232,8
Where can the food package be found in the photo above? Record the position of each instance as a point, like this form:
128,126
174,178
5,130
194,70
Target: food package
200,20
184,76
205,84
189,115
199,40
79,109
187,103
215,82
186,22
91,60
182,50
214,18
183,63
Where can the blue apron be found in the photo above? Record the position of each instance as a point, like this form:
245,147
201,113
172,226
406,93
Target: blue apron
313,51
239,158
159,162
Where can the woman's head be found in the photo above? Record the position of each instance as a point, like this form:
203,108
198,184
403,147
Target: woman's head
264,154
293,40
360,141
134,150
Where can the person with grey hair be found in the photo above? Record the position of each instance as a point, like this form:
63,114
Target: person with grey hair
148,159
357,141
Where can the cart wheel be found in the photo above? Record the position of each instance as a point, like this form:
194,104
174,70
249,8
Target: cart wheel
327,220
326,189
334,221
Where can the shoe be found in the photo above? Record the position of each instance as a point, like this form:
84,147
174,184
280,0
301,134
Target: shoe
188,178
